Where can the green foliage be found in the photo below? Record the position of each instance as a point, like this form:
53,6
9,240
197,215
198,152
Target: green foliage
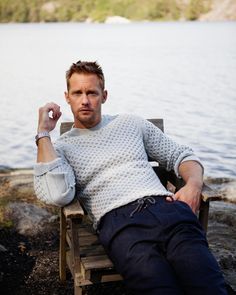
165,10
20,11
99,10
196,8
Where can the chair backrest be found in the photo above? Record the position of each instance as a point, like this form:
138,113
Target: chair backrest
66,126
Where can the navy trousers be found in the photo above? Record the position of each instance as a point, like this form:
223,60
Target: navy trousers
160,248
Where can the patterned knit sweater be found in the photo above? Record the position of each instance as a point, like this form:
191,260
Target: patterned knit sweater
107,166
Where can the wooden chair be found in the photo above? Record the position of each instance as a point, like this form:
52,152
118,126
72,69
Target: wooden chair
79,246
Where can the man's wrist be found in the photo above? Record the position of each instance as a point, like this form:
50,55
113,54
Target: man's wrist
197,183
40,135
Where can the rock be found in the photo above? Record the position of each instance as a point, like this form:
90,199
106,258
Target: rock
221,10
29,219
218,213
117,20
50,7
2,248
89,20
222,238
53,218
226,187
16,184
5,169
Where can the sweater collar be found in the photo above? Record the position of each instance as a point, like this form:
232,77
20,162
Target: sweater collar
104,121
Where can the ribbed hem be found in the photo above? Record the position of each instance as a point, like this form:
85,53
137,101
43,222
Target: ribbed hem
42,168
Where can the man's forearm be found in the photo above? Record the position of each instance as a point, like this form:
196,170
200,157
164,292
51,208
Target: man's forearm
46,152
191,172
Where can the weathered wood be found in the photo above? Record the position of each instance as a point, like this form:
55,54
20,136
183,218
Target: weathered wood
100,277
92,250
85,240
111,278
75,251
203,214
86,230
208,194
68,239
96,262
85,234
158,123
65,126
73,210
62,255
69,262
89,240
78,290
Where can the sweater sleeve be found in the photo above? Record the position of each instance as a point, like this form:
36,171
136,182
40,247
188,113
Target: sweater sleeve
54,182
164,150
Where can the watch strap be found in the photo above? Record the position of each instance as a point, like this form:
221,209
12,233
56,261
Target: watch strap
41,135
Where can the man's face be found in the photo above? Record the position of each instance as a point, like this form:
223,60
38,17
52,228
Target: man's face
85,96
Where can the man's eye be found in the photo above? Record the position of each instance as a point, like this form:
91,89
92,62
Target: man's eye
92,93
77,94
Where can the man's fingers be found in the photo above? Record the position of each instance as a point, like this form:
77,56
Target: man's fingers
170,198
184,196
51,110
57,115
49,114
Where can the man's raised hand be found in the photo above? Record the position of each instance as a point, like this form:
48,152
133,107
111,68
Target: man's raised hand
49,114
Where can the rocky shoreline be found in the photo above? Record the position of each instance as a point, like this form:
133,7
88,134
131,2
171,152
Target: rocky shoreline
29,239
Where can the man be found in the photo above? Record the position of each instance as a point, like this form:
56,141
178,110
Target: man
152,236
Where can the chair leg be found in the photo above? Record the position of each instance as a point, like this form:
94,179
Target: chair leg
78,290
203,214
62,255
75,255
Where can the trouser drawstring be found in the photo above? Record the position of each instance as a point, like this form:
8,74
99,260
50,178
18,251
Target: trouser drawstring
142,203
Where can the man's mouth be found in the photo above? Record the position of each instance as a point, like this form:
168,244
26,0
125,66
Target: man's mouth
85,110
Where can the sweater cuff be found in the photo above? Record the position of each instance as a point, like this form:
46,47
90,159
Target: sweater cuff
188,158
42,168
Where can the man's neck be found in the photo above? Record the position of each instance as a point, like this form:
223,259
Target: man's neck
86,125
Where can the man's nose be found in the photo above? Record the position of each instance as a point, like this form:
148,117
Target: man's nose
85,100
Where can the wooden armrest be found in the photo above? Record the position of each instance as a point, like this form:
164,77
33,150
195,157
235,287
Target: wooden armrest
73,210
208,194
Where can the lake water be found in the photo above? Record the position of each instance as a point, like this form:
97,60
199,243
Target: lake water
182,72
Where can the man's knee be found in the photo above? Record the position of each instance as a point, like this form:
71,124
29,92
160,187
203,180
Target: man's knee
198,270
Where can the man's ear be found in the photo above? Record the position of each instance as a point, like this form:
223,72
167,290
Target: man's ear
67,97
104,96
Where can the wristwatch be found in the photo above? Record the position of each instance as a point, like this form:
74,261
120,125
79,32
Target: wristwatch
41,135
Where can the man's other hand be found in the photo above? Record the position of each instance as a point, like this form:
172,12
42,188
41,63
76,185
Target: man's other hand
192,174
189,194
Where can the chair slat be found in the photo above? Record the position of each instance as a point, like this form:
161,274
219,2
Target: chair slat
96,262
85,240
94,250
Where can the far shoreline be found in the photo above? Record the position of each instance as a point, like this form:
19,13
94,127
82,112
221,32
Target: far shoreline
117,23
